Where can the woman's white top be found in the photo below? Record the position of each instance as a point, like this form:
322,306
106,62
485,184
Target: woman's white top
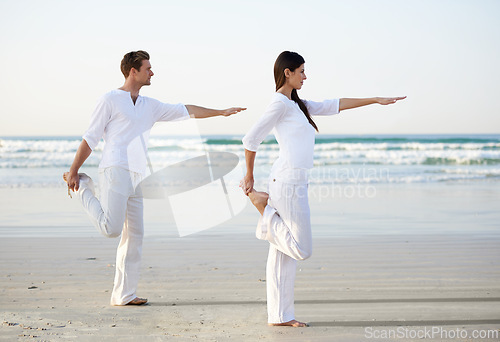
293,132
125,127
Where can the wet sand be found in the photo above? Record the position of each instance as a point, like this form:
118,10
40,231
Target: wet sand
210,286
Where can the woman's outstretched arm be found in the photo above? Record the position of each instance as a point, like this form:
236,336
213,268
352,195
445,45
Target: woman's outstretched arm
354,103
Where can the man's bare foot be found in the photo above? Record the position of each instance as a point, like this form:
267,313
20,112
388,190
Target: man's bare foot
259,200
65,177
292,323
137,301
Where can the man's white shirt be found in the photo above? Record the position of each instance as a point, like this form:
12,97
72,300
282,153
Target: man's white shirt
125,127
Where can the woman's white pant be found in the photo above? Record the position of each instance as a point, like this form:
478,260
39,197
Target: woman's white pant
286,225
119,210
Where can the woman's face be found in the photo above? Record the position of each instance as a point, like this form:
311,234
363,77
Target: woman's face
296,78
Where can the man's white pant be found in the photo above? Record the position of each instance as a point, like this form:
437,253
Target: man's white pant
286,225
119,210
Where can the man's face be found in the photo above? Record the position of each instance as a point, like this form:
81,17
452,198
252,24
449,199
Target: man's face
144,75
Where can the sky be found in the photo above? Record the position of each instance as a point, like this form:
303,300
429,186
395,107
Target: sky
59,57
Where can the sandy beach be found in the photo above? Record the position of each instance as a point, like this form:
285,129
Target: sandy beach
57,273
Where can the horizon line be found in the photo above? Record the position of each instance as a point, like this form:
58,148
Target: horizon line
242,134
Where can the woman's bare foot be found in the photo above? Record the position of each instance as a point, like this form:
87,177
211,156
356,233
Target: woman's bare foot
292,323
259,200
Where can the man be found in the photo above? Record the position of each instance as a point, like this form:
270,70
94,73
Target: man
124,119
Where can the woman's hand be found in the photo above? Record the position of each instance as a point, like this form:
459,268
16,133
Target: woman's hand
246,184
389,100
346,103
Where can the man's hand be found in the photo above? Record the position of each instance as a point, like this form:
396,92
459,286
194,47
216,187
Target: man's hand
389,100
202,112
232,110
73,180
71,177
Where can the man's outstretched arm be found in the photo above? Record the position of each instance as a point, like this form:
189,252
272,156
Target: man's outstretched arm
202,112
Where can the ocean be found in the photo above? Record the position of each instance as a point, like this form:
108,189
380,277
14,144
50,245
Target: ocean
360,185
339,159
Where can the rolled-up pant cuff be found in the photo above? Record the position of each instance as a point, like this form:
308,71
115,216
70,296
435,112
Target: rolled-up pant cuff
265,222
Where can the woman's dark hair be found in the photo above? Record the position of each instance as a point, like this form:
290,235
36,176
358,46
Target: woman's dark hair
290,60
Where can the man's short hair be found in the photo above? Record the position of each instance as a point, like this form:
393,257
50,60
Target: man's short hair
133,60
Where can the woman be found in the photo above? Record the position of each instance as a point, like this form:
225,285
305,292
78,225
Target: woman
285,220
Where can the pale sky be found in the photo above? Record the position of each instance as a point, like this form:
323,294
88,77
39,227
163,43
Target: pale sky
59,57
